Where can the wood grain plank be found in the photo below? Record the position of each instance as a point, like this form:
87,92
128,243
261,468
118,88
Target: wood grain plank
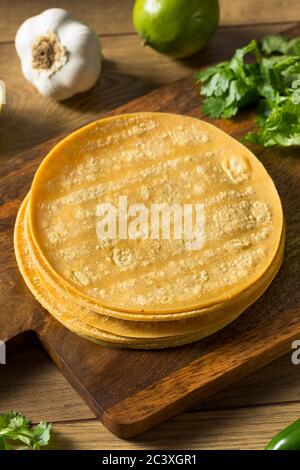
248,428
129,71
258,11
110,17
32,384
277,383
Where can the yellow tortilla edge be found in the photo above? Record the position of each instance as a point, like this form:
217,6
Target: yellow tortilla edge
99,336
89,332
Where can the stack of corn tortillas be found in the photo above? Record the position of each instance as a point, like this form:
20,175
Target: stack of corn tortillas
141,291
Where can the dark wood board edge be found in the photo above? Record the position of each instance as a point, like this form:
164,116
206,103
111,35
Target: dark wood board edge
192,390
71,377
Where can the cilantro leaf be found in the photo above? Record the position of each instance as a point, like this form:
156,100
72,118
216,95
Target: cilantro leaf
15,429
272,82
276,44
41,434
281,126
231,84
213,106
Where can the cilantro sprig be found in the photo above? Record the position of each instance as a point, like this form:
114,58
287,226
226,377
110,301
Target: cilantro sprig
271,79
276,44
16,432
230,85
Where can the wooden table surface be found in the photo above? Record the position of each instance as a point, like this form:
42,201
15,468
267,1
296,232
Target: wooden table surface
247,415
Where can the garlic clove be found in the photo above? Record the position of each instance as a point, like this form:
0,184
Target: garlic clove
78,37
49,20
51,88
38,25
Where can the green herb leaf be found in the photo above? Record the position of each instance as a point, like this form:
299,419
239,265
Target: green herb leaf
272,82
15,429
231,84
276,44
41,434
281,126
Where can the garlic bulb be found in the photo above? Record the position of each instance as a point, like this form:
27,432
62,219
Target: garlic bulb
59,55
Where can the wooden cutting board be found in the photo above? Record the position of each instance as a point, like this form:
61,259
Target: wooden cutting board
132,391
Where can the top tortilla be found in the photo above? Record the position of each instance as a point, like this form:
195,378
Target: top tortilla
155,158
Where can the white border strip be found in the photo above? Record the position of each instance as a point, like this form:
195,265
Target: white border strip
2,353
2,93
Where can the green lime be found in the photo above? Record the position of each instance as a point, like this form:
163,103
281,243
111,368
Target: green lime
178,28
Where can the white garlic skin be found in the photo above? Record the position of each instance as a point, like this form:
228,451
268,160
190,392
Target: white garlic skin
83,61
